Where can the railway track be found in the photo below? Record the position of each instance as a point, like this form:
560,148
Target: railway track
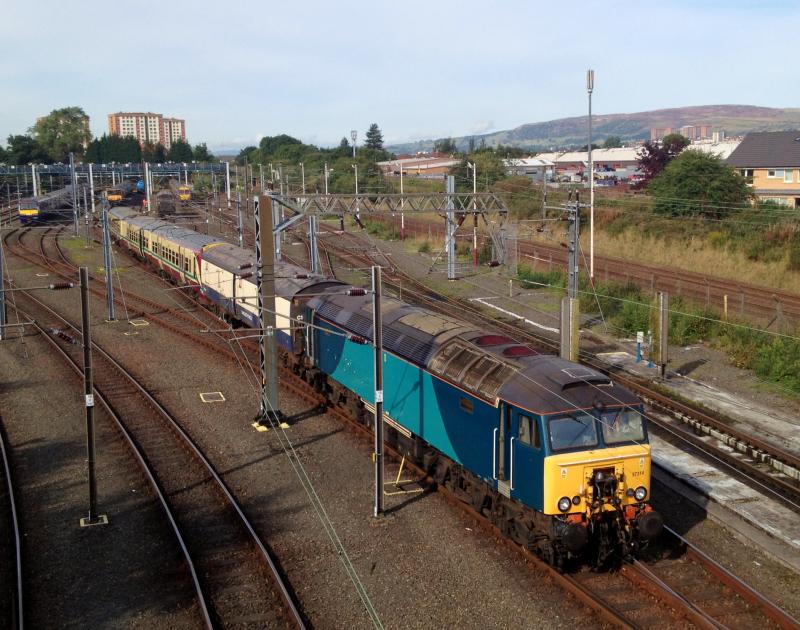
671,594
188,320
236,578
745,301
754,458
11,585
668,586
673,576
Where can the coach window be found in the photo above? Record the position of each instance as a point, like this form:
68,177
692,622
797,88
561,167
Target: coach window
528,432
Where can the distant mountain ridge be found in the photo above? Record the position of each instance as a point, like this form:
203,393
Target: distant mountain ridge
570,132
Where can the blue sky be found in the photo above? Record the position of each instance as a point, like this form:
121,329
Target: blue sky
239,70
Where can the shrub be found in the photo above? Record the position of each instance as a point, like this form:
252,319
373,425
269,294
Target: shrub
533,279
424,248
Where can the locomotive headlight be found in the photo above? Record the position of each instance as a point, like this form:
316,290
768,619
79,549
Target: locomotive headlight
564,504
640,493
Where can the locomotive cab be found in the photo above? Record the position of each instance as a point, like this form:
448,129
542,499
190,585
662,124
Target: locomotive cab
587,470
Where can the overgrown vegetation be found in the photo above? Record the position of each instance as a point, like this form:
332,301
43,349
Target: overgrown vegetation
698,184
383,230
628,309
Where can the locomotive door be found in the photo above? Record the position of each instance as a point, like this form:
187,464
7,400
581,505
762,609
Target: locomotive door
503,447
526,457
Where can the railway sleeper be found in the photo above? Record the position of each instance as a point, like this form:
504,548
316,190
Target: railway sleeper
754,453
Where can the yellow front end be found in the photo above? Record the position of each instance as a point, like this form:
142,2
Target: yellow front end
114,197
573,475
29,212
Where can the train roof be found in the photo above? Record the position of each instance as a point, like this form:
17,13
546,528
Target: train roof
123,212
182,236
486,363
290,279
52,195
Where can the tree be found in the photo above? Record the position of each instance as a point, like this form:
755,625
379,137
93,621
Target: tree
269,145
154,152
24,150
247,154
63,131
3,155
202,154
489,167
445,145
612,142
697,183
113,148
471,146
180,151
374,138
653,158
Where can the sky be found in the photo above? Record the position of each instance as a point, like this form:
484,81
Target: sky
239,70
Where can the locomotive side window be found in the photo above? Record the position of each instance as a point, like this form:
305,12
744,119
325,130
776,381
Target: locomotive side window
528,432
466,405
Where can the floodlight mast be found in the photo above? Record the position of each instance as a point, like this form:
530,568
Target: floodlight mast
590,89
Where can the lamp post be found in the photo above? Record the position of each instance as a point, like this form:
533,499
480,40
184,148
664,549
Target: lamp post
358,207
353,136
402,207
326,177
471,165
589,89
303,177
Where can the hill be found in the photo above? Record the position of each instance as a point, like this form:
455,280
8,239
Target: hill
570,132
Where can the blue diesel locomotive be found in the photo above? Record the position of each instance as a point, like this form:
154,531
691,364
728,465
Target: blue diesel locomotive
554,453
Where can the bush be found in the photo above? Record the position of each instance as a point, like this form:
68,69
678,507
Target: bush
424,248
774,359
536,279
690,325
383,230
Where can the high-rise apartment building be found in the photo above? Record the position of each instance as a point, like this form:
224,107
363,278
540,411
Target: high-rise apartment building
147,127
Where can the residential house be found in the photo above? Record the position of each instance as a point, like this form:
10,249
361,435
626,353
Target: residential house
770,161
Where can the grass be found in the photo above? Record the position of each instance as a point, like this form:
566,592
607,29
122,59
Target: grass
77,250
775,359
693,252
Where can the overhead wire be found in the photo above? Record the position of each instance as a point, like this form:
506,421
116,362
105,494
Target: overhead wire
297,465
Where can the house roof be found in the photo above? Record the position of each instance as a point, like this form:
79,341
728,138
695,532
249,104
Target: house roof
768,149
529,161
